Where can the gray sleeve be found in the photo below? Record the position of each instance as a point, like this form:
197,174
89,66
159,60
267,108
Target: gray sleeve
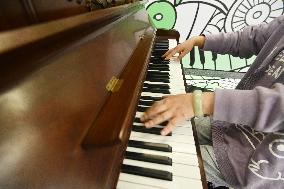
245,43
261,108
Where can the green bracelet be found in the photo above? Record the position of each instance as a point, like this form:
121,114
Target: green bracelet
197,103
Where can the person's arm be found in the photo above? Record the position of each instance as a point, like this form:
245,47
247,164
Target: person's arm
261,108
185,47
245,43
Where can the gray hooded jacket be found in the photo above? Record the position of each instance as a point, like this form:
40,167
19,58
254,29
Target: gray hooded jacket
248,122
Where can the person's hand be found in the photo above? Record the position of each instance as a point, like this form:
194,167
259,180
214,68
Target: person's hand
174,109
185,47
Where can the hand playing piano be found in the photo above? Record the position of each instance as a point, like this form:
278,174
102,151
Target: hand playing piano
172,108
185,47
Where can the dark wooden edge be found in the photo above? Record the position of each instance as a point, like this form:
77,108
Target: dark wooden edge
168,34
14,39
119,110
136,99
200,160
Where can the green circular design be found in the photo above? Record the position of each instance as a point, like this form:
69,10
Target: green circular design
162,14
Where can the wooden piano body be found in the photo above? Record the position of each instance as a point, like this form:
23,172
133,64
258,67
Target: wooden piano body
59,125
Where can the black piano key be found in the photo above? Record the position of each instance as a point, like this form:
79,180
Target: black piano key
148,158
162,91
151,76
160,49
153,73
161,44
159,64
161,80
147,172
157,73
158,54
158,68
152,85
156,87
146,103
162,41
165,123
137,120
153,130
155,78
159,60
150,145
141,108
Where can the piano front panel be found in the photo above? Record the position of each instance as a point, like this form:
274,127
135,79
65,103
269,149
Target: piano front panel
52,90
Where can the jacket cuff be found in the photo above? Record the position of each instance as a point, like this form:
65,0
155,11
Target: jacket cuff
210,42
235,106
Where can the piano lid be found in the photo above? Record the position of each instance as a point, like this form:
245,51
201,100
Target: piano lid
52,91
19,13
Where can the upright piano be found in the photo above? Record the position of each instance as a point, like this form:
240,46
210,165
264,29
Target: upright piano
71,94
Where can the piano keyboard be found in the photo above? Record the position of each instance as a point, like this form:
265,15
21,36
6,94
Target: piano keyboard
153,161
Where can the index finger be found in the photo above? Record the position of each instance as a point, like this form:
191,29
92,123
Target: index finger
168,52
153,111
172,53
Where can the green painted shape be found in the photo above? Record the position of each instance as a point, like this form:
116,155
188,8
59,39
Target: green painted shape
162,14
177,2
223,62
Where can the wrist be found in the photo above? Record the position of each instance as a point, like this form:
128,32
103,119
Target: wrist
208,102
199,41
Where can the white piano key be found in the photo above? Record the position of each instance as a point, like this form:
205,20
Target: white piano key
181,170
182,124
172,43
152,94
180,85
177,183
130,185
177,157
176,138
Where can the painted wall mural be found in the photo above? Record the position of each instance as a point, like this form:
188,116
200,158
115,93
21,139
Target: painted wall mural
195,17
